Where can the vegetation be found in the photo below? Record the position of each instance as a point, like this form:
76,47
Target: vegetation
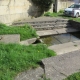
25,31
44,77
44,5
15,58
60,14
75,76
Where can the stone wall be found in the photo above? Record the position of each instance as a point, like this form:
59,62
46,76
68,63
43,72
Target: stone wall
75,24
62,4
13,10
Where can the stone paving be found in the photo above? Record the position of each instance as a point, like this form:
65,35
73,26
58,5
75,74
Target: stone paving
32,74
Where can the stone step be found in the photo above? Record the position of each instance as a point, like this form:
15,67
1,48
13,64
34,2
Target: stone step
61,66
55,31
43,24
47,26
39,28
42,21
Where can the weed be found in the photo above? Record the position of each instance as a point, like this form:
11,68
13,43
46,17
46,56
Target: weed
75,76
43,77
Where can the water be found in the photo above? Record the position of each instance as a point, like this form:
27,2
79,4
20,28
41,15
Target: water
60,39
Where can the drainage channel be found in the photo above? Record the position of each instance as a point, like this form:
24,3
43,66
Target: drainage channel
61,38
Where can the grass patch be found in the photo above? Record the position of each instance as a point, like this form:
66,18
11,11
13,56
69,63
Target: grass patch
15,58
25,31
75,76
52,14
60,14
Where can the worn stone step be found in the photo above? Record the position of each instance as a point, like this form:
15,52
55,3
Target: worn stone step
46,26
62,25
50,24
39,28
55,31
43,24
42,21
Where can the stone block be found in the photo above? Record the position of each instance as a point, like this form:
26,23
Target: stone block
11,38
4,2
59,67
4,10
28,41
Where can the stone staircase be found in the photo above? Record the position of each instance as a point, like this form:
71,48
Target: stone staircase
45,23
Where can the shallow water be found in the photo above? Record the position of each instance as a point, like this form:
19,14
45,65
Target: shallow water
61,38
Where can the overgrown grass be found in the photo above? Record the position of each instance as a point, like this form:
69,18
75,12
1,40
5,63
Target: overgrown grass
25,31
60,14
15,58
75,76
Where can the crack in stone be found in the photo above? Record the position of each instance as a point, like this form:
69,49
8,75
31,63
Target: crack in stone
1,38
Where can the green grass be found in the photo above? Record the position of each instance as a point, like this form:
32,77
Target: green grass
15,58
25,31
52,14
75,76
60,14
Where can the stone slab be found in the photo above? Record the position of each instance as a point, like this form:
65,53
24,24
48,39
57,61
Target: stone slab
10,38
28,41
46,32
66,47
55,31
32,74
61,66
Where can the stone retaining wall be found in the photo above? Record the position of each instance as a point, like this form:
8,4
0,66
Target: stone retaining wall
14,10
75,24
